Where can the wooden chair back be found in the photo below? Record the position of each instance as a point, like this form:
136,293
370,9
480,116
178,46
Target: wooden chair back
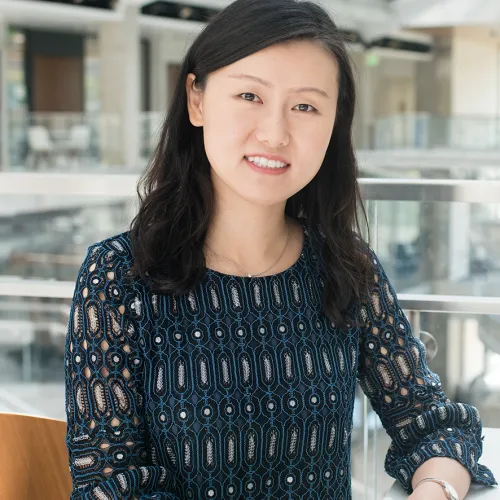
33,458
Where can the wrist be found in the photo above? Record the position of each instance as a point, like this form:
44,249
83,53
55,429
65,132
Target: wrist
431,490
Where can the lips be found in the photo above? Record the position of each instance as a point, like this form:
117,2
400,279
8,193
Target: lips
267,167
267,161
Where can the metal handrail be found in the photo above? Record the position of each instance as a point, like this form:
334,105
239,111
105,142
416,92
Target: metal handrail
450,303
431,190
18,287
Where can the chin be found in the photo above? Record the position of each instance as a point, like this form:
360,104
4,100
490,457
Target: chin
262,200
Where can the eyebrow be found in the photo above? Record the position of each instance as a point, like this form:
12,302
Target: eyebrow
296,90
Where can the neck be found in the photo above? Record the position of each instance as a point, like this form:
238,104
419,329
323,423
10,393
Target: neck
250,236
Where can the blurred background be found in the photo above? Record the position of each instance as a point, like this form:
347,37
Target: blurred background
84,86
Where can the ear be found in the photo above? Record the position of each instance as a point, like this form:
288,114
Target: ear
194,101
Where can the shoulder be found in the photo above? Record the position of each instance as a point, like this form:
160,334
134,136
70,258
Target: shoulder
110,259
105,275
114,250
107,291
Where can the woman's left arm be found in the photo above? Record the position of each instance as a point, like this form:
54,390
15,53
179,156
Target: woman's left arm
422,422
443,468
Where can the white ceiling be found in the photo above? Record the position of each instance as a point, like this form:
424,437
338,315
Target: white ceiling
55,16
371,17
447,13
200,3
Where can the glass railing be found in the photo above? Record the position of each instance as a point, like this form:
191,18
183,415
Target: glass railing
433,236
437,237
423,131
59,141
75,141
44,238
438,240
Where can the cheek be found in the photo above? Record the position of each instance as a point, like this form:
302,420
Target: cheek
225,132
316,141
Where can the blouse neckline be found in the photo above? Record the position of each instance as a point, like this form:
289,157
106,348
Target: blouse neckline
293,267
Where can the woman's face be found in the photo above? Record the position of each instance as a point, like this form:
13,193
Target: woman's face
267,120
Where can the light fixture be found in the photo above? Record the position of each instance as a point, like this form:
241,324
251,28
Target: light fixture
185,12
18,38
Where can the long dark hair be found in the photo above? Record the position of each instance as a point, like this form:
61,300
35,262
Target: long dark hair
176,193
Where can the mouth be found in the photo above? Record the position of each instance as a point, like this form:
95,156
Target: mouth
267,163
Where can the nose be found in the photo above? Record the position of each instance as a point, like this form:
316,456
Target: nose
272,129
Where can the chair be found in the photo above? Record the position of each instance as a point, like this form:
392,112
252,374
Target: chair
79,140
33,458
40,144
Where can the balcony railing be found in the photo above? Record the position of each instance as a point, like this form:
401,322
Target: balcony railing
425,131
59,141
404,218
46,141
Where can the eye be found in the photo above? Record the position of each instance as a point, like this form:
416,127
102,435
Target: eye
248,96
306,108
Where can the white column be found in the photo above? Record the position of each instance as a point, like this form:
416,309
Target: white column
4,105
475,99
474,73
120,84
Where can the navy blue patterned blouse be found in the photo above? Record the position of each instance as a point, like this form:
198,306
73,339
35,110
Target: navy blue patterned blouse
243,388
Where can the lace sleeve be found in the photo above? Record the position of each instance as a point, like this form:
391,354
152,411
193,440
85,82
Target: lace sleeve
106,438
421,421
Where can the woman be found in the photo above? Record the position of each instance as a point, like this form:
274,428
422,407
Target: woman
213,349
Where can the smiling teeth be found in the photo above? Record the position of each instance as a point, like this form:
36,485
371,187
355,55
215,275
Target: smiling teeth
265,163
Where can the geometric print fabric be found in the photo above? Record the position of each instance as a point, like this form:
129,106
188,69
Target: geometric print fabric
243,388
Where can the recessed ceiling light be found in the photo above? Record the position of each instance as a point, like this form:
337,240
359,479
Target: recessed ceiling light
186,12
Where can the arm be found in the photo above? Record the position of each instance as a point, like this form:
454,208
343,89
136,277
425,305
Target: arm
106,438
421,421
443,468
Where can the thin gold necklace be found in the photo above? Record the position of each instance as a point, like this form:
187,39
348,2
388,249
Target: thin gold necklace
249,275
